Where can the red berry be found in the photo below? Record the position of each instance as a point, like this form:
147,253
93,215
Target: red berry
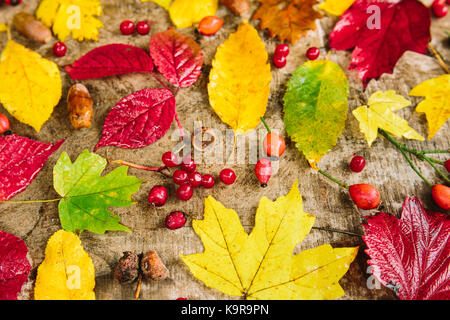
181,298
170,159
195,179
357,164
4,123
279,61
365,196
447,165
210,25
441,195
227,176
175,220
188,164
208,181
143,27
13,2
263,171
185,192
282,50
313,53
59,49
158,196
439,8
180,177
274,144
127,27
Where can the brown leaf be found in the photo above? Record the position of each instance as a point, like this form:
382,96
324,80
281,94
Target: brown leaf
238,7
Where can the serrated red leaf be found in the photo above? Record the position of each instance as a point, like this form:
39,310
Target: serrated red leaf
139,119
21,159
405,25
110,60
411,254
177,57
14,265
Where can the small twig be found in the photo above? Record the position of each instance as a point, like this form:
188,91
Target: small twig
339,231
334,180
140,167
437,169
137,293
438,57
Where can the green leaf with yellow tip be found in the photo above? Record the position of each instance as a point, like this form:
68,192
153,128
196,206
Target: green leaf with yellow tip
315,108
87,195
261,265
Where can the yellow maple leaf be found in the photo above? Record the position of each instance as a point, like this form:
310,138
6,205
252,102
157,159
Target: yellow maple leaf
380,115
239,88
436,105
336,7
67,272
184,13
76,17
30,86
261,265
163,3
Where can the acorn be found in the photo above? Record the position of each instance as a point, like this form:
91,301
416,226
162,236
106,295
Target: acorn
127,269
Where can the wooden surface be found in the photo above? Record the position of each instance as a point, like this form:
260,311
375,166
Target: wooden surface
386,169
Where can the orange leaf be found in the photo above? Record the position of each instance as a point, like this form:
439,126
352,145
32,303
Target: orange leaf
289,20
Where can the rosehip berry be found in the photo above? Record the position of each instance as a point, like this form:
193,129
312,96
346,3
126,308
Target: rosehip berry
279,61
59,49
4,123
447,165
208,181
227,176
181,298
175,220
127,27
180,177
312,53
439,8
365,196
441,195
210,25
357,164
143,28
195,179
274,144
263,171
185,192
282,50
158,196
170,159
188,164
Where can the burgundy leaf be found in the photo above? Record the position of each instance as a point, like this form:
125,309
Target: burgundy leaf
14,266
21,159
411,254
110,60
404,25
177,57
139,119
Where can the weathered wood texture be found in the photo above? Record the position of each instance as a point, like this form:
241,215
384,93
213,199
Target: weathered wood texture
35,223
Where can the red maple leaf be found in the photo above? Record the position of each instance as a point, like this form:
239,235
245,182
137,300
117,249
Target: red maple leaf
14,265
404,25
411,254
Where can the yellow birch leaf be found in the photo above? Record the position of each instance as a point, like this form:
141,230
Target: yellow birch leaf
163,3
336,7
436,105
3,27
30,86
261,265
67,272
239,81
379,115
184,13
76,17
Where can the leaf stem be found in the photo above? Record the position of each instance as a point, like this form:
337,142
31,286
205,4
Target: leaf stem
438,57
180,127
265,124
32,201
334,179
338,231
137,292
160,81
140,167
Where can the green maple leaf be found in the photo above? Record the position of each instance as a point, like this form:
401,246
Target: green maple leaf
315,107
87,195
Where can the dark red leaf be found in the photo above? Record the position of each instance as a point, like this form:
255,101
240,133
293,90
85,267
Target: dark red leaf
177,57
139,119
21,159
110,60
405,25
411,254
14,266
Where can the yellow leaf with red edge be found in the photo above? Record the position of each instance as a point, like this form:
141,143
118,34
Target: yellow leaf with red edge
30,86
184,13
239,81
336,7
436,105
67,272
261,265
76,17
